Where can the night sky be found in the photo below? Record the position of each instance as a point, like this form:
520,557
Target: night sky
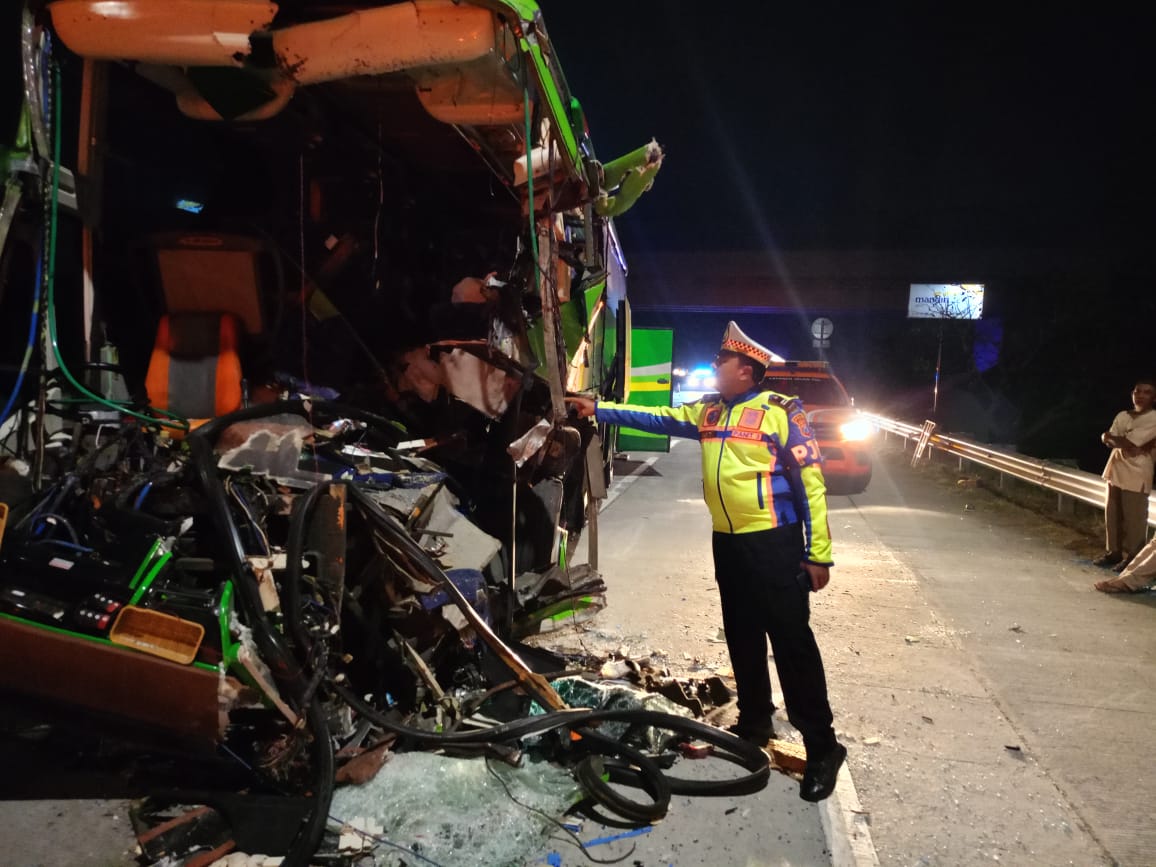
852,125
916,127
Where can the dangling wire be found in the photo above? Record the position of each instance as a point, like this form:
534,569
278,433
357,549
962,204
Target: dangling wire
30,346
380,208
301,270
530,185
163,417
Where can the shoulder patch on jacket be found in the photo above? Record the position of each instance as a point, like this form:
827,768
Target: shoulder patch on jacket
782,401
799,420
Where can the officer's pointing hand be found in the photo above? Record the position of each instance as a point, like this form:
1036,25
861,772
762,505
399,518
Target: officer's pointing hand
584,406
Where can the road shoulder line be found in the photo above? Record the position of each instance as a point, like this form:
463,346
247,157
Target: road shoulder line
847,826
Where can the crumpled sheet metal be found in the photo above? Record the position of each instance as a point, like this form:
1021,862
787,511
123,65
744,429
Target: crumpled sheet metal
557,597
463,545
269,447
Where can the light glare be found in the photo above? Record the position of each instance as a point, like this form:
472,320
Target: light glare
859,429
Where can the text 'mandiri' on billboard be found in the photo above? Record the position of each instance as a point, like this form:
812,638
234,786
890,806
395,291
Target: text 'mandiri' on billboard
945,301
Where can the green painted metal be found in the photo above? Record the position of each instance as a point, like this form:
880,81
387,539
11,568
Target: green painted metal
599,363
651,351
573,326
573,330
153,572
630,175
549,75
144,564
524,10
229,647
554,99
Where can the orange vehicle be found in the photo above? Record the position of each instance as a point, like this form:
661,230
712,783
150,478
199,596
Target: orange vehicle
844,434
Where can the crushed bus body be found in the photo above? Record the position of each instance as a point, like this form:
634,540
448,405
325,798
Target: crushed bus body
297,292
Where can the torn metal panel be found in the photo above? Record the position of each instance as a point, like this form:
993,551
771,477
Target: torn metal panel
421,374
529,443
262,679
480,92
110,680
595,470
218,33
271,448
557,597
266,585
386,39
176,32
465,546
627,178
483,386
328,540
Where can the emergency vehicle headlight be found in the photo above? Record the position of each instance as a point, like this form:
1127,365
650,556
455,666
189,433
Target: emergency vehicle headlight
859,429
701,377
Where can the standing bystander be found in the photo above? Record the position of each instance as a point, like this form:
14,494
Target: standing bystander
1132,438
764,487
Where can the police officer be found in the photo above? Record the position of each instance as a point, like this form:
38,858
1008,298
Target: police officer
764,487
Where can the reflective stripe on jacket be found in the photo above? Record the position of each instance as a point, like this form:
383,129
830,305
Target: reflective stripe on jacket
760,463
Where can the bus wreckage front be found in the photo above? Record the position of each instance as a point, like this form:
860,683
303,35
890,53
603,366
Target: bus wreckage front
298,291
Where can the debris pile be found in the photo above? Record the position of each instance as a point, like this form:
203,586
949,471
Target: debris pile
298,595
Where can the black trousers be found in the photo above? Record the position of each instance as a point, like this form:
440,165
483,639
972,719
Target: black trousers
764,596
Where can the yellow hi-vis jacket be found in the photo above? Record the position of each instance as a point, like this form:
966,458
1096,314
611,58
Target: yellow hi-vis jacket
761,466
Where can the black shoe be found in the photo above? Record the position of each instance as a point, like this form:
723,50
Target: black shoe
758,735
819,778
1122,565
1109,559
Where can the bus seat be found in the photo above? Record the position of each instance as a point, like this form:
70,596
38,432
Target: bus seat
195,369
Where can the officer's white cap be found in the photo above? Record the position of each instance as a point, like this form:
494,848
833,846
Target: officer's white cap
734,340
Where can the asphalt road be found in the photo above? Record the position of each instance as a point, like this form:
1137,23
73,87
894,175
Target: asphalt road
996,708
1013,704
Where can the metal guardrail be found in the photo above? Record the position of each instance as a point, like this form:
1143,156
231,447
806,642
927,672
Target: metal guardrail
1065,481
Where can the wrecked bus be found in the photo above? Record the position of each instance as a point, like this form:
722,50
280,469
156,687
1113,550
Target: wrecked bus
212,205
292,296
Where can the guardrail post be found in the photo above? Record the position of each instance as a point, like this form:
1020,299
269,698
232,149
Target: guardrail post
1065,505
924,439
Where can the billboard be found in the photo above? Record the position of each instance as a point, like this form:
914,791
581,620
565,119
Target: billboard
945,301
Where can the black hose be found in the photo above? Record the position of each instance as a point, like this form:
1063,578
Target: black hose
534,725
743,753
747,755
294,552
647,776
309,836
269,643
640,772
